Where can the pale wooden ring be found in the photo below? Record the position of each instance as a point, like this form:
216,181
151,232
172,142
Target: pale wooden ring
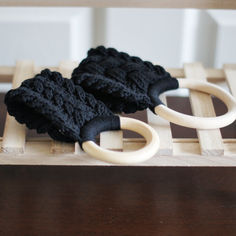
201,122
137,156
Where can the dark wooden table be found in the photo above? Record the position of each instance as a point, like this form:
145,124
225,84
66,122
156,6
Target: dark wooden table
119,201
114,201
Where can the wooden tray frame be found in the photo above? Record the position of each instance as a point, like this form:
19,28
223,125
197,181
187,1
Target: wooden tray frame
209,149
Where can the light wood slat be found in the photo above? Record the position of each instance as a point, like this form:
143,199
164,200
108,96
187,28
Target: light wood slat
14,133
62,147
112,140
65,68
203,4
186,153
176,72
38,69
7,70
230,72
201,103
6,73
212,73
162,128
77,149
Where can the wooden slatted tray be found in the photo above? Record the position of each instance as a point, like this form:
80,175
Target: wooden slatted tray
209,149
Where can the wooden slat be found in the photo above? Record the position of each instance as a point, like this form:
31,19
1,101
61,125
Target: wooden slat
62,147
65,68
112,140
14,133
6,73
186,153
201,103
85,160
162,128
230,72
215,74
202,4
211,73
38,69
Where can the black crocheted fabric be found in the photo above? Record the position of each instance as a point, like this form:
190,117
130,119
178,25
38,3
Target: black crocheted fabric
122,81
50,103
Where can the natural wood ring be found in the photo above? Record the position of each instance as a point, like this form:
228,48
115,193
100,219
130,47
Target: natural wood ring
201,122
143,154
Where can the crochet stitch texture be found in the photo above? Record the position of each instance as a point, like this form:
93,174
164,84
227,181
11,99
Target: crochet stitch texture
122,81
50,103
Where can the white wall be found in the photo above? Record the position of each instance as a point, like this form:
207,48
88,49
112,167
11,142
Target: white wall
170,37
46,35
165,36
153,34
225,35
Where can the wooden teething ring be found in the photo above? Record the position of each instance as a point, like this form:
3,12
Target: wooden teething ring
143,154
201,122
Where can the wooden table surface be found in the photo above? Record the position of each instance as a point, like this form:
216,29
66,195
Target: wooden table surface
116,201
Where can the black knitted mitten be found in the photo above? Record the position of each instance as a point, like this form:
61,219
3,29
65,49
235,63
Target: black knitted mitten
50,103
124,83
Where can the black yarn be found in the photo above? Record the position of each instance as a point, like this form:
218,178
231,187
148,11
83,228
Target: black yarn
121,81
50,103
99,124
158,88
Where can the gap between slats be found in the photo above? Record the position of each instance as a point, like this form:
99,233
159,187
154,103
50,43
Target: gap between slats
6,73
14,133
201,103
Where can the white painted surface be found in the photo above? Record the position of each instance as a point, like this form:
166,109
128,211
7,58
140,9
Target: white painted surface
152,34
165,36
46,35
170,37
200,36
226,36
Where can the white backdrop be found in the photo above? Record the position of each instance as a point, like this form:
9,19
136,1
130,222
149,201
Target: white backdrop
165,36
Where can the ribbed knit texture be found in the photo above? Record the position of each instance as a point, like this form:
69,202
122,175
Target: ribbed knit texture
50,103
121,81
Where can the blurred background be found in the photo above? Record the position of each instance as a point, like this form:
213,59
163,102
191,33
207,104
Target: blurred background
165,36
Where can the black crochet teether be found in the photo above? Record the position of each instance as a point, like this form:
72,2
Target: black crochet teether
127,84
122,82
50,103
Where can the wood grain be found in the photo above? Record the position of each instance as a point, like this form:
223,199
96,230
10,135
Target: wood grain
14,133
201,103
117,201
186,152
213,74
